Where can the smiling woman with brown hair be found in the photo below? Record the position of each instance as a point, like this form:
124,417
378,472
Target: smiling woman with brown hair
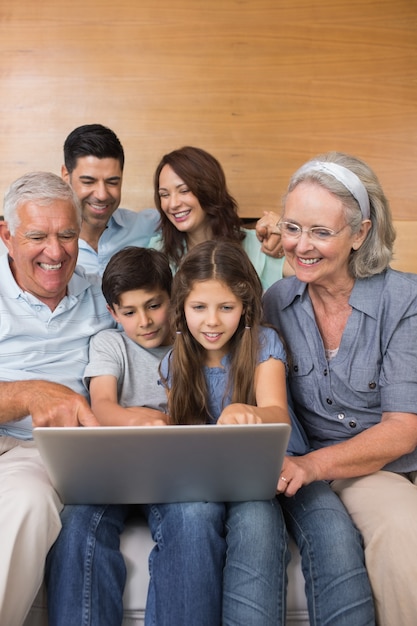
194,205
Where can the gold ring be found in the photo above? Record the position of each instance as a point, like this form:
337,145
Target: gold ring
284,479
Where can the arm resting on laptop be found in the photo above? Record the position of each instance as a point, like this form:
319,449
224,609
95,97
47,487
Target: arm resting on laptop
103,392
49,404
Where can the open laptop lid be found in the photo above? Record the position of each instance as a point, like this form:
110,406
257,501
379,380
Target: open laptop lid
145,464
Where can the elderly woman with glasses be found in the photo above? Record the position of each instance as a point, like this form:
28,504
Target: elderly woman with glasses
350,325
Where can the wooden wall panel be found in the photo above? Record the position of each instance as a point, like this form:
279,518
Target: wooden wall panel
262,84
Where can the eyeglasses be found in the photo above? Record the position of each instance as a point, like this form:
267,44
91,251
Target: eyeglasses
316,233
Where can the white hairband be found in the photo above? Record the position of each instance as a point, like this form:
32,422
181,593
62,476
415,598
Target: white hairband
349,179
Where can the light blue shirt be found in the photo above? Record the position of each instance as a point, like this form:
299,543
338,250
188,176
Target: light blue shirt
269,269
124,228
37,343
374,370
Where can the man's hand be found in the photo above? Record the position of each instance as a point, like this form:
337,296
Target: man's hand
51,404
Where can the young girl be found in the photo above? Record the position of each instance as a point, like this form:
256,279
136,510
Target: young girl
237,365
225,367
194,204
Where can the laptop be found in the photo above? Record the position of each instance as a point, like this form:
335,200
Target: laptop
145,464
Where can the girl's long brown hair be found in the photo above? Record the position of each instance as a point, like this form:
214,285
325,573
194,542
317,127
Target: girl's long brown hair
205,178
226,262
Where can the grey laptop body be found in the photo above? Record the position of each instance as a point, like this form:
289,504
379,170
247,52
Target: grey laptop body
145,464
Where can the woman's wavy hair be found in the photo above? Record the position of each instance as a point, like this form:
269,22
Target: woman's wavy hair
228,263
375,254
205,178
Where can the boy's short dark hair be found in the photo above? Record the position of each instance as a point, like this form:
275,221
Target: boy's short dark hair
135,268
92,140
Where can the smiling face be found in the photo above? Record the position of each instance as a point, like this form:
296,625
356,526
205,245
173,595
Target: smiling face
43,251
212,313
182,207
319,262
144,316
98,185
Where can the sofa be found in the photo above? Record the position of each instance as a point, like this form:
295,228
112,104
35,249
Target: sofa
136,543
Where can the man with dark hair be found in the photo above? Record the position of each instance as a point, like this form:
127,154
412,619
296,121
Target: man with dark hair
94,161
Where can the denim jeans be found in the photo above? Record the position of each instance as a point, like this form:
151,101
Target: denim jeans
85,570
196,543
212,564
254,577
337,585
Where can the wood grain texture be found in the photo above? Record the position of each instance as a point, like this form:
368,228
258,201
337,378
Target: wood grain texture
262,84
405,249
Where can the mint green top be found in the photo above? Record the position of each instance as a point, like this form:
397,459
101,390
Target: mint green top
268,268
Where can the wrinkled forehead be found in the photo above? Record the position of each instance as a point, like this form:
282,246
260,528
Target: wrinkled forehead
48,215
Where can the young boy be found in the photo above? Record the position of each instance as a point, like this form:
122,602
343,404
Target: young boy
122,374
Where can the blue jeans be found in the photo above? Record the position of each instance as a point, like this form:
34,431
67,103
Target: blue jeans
85,570
212,564
254,577
337,586
216,563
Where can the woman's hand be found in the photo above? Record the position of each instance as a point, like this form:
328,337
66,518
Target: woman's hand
363,454
296,471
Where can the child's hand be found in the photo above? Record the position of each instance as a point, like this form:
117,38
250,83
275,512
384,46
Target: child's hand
143,416
239,414
155,422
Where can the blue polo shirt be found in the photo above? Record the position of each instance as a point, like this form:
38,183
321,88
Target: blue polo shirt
37,343
375,369
124,228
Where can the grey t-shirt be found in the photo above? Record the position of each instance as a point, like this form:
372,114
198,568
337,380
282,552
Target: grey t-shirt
112,353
